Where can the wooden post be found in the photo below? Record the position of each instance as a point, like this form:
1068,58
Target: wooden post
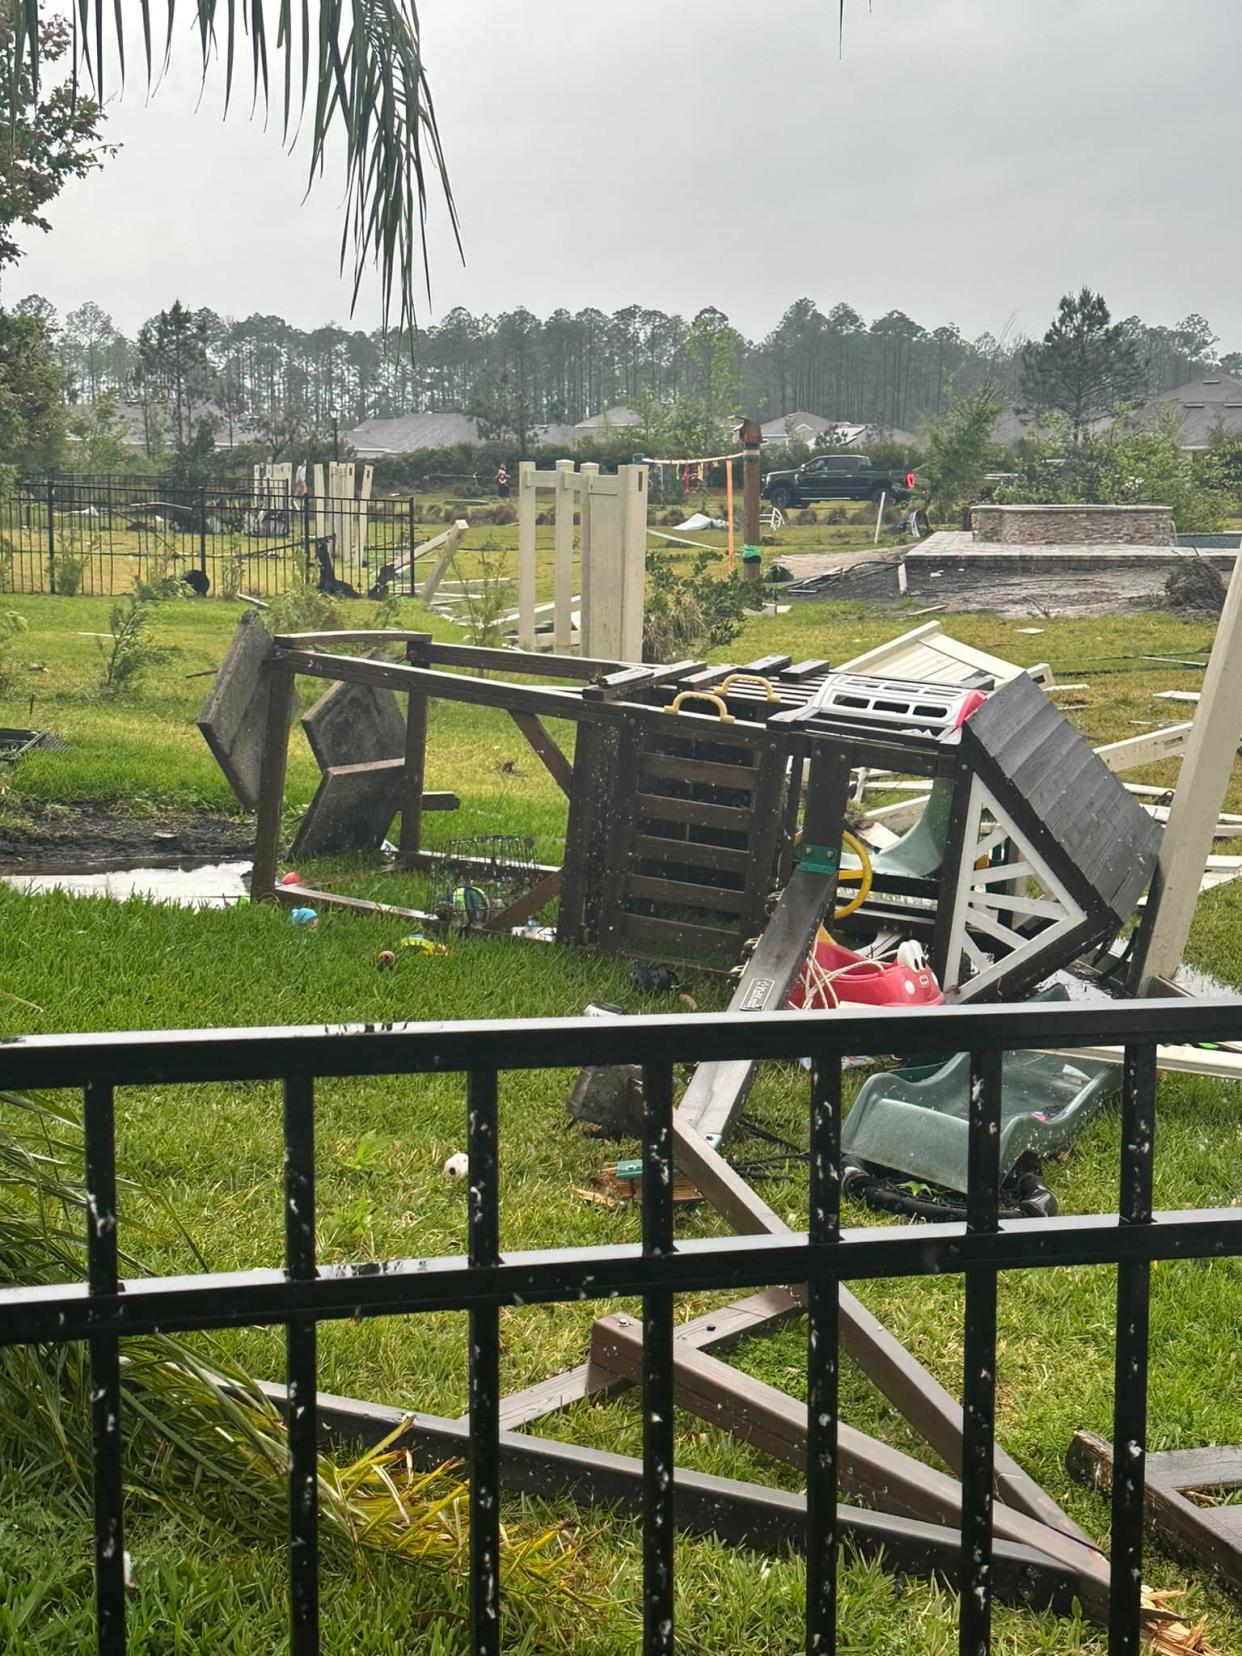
563,572
272,779
415,761
1211,750
729,508
526,554
752,438
587,472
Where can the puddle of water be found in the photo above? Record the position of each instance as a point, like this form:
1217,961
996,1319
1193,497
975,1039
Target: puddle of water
215,885
1201,983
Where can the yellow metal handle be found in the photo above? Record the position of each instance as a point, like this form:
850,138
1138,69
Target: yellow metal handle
862,877
722,712
769,694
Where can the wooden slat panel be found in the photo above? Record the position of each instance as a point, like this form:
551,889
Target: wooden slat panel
699,770
659,849
664,808
675,934
685,894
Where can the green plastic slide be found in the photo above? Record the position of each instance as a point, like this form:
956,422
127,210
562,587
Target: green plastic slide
914,1121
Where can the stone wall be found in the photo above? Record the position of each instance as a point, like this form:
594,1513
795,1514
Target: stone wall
1072,525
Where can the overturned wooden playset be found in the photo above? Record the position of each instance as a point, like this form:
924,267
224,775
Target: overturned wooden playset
707,811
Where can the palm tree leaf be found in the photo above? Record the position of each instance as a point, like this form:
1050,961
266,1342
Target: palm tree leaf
369,87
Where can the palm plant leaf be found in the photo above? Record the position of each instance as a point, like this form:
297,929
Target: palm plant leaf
204,1441
355,65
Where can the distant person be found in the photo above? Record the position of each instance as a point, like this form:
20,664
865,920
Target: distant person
502,482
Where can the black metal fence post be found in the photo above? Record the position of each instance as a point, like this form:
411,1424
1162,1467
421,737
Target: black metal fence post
301,1366
823,1362
306,534
99,1120
979,1365
484,1365
659,1434
202,530
1138,1149
51,535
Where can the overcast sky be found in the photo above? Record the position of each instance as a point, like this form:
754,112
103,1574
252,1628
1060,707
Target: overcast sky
966,160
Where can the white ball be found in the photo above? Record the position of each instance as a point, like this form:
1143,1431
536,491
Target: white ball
458,1166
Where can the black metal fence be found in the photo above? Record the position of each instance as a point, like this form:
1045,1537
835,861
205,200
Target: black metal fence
98,536
301,1294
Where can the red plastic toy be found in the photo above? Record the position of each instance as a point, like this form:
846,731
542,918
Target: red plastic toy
835,976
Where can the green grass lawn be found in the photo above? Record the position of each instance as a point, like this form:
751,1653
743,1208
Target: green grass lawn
84,964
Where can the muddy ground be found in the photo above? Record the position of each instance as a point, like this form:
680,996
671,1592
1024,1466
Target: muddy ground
87,835
965,589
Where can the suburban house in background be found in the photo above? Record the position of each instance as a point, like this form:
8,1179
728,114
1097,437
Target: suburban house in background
1207,405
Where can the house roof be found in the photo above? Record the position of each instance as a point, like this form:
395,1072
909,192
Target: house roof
556,436
1211,403
407,432
781,427
619,416
1210,390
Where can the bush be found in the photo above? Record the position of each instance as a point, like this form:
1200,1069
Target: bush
688,612
129,651
805,517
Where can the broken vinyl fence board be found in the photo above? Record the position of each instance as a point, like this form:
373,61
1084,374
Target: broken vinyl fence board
450,542
312,896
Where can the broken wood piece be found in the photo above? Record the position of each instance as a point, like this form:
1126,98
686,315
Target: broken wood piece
1211,1536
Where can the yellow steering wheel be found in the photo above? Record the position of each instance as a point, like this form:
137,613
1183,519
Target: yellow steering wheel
862,876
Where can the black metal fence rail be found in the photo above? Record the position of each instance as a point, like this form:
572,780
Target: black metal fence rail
301,1294
97,536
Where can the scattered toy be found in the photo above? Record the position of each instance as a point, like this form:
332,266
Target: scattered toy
386,960
422,945
305,917
457,1166
290,879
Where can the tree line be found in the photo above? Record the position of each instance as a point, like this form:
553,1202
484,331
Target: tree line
515,371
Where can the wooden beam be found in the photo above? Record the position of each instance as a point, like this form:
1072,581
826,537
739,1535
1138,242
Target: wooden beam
415,765
479,692
530,902
549,751
275,759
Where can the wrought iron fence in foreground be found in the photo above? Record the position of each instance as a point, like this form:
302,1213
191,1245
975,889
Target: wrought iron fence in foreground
98,536
301,1294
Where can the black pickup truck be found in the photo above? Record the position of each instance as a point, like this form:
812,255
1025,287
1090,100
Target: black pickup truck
835,477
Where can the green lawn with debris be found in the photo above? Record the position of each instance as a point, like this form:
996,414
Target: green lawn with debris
214,1153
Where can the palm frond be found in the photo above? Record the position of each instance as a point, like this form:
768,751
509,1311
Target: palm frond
204,1442
356,65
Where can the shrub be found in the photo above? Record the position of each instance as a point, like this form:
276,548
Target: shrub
688,612
130,650
805,517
